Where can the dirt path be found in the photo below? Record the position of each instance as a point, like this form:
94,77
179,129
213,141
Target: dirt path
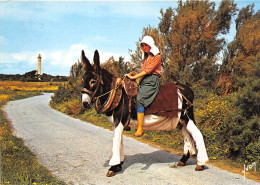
78,152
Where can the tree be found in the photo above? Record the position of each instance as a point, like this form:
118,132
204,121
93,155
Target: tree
224,14
244,15
76,69
194,39
118,68
189,40
241,59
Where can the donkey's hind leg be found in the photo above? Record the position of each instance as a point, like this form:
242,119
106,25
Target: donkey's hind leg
202,156
188,149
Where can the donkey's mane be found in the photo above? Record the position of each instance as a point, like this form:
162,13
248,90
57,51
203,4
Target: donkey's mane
107,79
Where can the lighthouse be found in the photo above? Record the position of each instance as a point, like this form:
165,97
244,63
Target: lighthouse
39,72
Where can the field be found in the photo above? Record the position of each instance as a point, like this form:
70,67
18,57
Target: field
10,89
18,164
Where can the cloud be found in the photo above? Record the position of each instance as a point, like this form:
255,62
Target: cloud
17,57
58,59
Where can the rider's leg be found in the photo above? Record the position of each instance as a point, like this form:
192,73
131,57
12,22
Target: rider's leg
140,120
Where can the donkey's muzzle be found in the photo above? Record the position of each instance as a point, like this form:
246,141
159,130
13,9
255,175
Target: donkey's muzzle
86,105
86,100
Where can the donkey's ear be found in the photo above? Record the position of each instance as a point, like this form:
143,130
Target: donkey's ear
86,63
96,62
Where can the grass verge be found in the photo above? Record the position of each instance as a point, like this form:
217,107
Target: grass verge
18,164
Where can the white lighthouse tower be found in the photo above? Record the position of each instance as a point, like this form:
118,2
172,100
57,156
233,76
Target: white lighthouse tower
39,72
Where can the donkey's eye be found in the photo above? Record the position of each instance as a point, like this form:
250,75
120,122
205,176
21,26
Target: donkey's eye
92,83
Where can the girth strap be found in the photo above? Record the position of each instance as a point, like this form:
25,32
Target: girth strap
188,102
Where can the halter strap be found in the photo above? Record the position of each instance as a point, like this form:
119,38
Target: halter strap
84,90
93,93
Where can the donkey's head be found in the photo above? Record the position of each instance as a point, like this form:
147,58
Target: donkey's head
91,80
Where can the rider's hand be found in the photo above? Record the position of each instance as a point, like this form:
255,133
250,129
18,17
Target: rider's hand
131,75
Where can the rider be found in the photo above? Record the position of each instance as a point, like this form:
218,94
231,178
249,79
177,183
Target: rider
150,84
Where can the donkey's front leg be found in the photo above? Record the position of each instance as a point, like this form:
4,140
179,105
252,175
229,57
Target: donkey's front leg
117,158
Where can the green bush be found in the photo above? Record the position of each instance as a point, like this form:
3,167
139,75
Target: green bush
230,124
61,95
252,152
74,107
245,140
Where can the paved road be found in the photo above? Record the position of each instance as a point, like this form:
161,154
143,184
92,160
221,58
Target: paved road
78,152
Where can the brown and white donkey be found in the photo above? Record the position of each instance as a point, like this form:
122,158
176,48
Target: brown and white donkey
98,86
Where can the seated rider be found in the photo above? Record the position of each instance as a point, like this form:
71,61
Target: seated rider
150,84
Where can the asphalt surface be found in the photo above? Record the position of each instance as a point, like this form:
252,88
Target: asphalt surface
78,152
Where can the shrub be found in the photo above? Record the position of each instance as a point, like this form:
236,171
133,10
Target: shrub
244,141
249,98
74,107
61,95
214,114
252,152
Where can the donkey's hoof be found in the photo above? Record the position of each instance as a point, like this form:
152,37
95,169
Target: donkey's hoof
113,169
110,173
127,128
180,163
199,168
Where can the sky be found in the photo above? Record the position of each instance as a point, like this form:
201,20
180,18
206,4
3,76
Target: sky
59,30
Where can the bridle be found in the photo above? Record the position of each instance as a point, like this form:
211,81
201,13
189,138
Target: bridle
113,95
97,87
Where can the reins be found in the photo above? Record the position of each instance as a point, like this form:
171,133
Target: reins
110,90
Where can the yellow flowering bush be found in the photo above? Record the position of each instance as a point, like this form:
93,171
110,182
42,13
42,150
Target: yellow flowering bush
4,98
214,113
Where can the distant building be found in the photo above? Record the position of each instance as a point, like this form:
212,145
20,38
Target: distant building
39,72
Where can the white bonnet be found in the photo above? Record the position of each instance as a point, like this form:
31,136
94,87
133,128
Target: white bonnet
149,41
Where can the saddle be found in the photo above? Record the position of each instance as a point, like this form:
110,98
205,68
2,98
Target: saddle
130,86
165,104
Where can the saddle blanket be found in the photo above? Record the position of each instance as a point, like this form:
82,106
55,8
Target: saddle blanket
153,122
166,102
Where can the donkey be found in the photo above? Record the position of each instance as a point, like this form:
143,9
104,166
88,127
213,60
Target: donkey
98,82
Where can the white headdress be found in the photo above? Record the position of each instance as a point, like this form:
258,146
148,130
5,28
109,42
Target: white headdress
149,41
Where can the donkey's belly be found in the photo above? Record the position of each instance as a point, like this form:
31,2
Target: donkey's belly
153,122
